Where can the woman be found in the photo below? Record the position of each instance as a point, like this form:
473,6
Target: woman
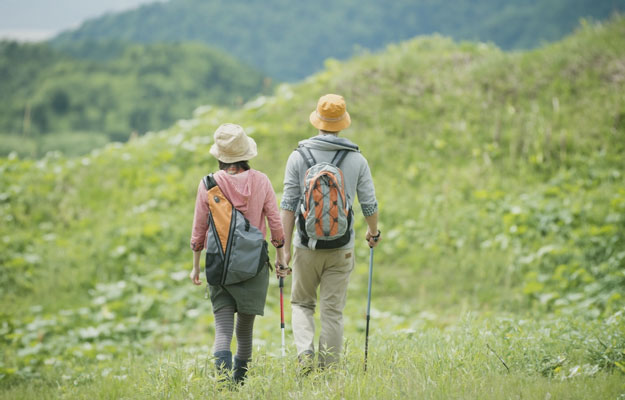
249,191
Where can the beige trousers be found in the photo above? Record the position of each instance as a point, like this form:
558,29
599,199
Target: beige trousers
329,271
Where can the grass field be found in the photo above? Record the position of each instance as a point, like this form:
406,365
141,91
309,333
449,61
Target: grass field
547,359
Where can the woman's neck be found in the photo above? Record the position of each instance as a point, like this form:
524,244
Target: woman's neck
233,170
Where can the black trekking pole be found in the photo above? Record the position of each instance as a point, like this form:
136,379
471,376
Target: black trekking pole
282,314
375,239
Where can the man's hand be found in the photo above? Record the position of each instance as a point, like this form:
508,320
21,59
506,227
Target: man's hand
283,256
282,271
195,276
287,256
373,240
288,223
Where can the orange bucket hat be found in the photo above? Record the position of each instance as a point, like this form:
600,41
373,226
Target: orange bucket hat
331,114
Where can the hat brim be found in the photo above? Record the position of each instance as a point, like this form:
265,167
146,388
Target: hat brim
333,126
232,158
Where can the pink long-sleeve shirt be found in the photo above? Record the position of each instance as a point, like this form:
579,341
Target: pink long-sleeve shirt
251,193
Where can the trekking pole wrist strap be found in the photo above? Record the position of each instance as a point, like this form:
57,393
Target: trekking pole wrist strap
375,237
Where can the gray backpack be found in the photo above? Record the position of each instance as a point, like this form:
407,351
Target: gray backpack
235,249
325,213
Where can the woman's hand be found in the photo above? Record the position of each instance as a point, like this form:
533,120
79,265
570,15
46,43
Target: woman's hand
195,276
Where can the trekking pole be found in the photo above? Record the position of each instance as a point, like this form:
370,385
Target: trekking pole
368,305
282,312
375,239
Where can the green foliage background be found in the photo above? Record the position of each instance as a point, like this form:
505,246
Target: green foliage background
131,88
97,83
290,40
502,202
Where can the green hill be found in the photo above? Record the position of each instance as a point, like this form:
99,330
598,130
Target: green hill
290,40
126,88
501,189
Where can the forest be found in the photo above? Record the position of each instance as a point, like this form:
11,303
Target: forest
53,100
289,41
124,74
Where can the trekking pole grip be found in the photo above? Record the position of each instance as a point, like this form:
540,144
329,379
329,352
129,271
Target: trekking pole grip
374,237
280,278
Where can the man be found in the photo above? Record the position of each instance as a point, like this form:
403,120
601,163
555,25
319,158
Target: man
326,269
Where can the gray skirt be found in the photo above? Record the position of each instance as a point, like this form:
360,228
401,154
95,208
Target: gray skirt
247,297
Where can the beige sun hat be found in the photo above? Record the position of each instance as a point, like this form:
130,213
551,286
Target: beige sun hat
232,144
331,114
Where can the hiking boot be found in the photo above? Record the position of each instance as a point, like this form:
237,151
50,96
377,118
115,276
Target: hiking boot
223,364
240,370
306,361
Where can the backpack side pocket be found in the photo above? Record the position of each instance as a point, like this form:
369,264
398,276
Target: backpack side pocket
214,264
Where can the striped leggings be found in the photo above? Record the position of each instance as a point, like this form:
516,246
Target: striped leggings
224,327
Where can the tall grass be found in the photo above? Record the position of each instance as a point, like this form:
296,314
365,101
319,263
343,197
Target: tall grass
544,359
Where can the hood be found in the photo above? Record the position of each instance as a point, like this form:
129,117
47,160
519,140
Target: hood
237,188
329,142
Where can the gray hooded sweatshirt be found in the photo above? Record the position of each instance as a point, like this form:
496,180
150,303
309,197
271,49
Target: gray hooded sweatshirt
355,169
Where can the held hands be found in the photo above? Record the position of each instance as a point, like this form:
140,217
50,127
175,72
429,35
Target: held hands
282,263
282,271
373,240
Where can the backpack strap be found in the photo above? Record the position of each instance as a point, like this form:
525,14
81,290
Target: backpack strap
306,155
209,181
339,157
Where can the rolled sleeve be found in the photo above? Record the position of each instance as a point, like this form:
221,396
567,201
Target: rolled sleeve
289,204
369,209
